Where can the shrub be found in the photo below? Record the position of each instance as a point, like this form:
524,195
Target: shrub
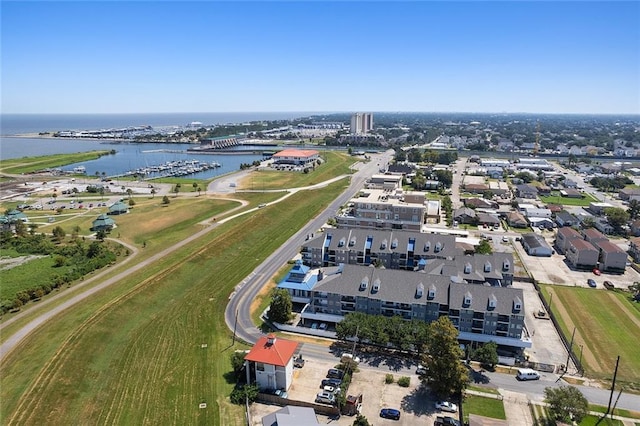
242,393
388,379
404,381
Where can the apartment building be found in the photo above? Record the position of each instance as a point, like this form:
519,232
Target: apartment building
384,209
481,313
612,257
581,254
564,237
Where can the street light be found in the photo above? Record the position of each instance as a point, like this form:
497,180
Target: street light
580,363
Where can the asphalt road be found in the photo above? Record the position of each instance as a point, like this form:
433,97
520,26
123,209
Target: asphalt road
240,300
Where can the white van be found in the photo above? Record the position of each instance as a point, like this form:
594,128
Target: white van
527,374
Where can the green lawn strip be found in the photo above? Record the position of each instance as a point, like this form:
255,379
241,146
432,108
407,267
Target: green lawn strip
605,328
484,389
9,253
33,164
590,420
140,361
487,407
556,198
618,411
186,184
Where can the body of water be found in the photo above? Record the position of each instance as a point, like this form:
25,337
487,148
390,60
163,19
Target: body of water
129,156
15,124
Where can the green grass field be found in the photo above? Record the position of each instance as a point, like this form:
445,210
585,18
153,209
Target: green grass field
556,198
32,164
487,407
132,353
607,325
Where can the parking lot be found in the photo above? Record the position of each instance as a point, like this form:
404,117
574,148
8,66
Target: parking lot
416,406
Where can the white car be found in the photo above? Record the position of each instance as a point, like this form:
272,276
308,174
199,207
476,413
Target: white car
347,357
446,406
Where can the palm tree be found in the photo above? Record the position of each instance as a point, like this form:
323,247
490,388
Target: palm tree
199,189
129,192
195,186
153,192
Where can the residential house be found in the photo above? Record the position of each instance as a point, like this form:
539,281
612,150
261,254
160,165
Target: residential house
565,218
300,281
270,363
498,188
634,228
400,169
487,219
476,188
516,220
612,257
564,236
634,249
474,203
480,313
526,191
598,208
603,225
536,212
571,193
388,182
541,222
544,190
594,236
568,183
465,215
581,254
628,194
535,245
494,172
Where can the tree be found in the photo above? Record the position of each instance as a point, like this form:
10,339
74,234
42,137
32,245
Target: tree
101,235
487,355
361,421
484,247
32,228
195,186
129,192
199,190
237,361
445,374
617,217
634,209
165,200
281,305
58,233
566,403
244,393
132,202
101,191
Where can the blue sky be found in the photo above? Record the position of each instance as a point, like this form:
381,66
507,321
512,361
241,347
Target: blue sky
94,57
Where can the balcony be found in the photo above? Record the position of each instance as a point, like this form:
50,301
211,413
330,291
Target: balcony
349,299
348,307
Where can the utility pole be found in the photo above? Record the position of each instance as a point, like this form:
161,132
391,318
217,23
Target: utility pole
235,324
566,365
613,386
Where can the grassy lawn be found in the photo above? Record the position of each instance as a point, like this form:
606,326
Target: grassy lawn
556,198
483,389
32,164
487,407
606,325
336,164
264,297
186,184
617,412
132,353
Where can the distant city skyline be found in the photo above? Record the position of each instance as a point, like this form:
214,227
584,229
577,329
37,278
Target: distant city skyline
483,57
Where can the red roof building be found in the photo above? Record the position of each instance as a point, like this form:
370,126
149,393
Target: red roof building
270,363
299,157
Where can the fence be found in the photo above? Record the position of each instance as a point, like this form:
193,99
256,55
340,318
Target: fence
318,408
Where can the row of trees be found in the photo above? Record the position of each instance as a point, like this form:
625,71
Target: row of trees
418,156
75,259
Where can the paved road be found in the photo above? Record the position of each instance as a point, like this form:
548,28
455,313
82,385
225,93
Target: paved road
240,300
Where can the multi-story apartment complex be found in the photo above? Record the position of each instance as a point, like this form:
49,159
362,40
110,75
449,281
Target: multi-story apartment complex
361,123
385,209
434,254
481,313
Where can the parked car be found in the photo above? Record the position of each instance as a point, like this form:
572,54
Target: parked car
281,393
591,283
446,406
298,362
314,326
446,421
334,373
325,397
421,370
323,326
596,271
347,357
331,382
505,239
609,285
390,413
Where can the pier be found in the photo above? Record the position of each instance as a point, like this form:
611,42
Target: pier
170,169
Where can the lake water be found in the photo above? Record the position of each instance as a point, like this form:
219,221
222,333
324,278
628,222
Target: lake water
128,156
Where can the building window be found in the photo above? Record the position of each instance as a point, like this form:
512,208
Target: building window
259,366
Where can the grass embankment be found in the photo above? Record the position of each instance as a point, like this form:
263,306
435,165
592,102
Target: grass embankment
34,164
556,198
542,417
607,325
487,407
132,353
335,164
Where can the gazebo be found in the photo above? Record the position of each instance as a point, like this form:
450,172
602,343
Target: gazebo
103,223
118,208
16,215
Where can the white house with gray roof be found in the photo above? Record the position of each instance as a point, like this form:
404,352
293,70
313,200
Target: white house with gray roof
481,313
